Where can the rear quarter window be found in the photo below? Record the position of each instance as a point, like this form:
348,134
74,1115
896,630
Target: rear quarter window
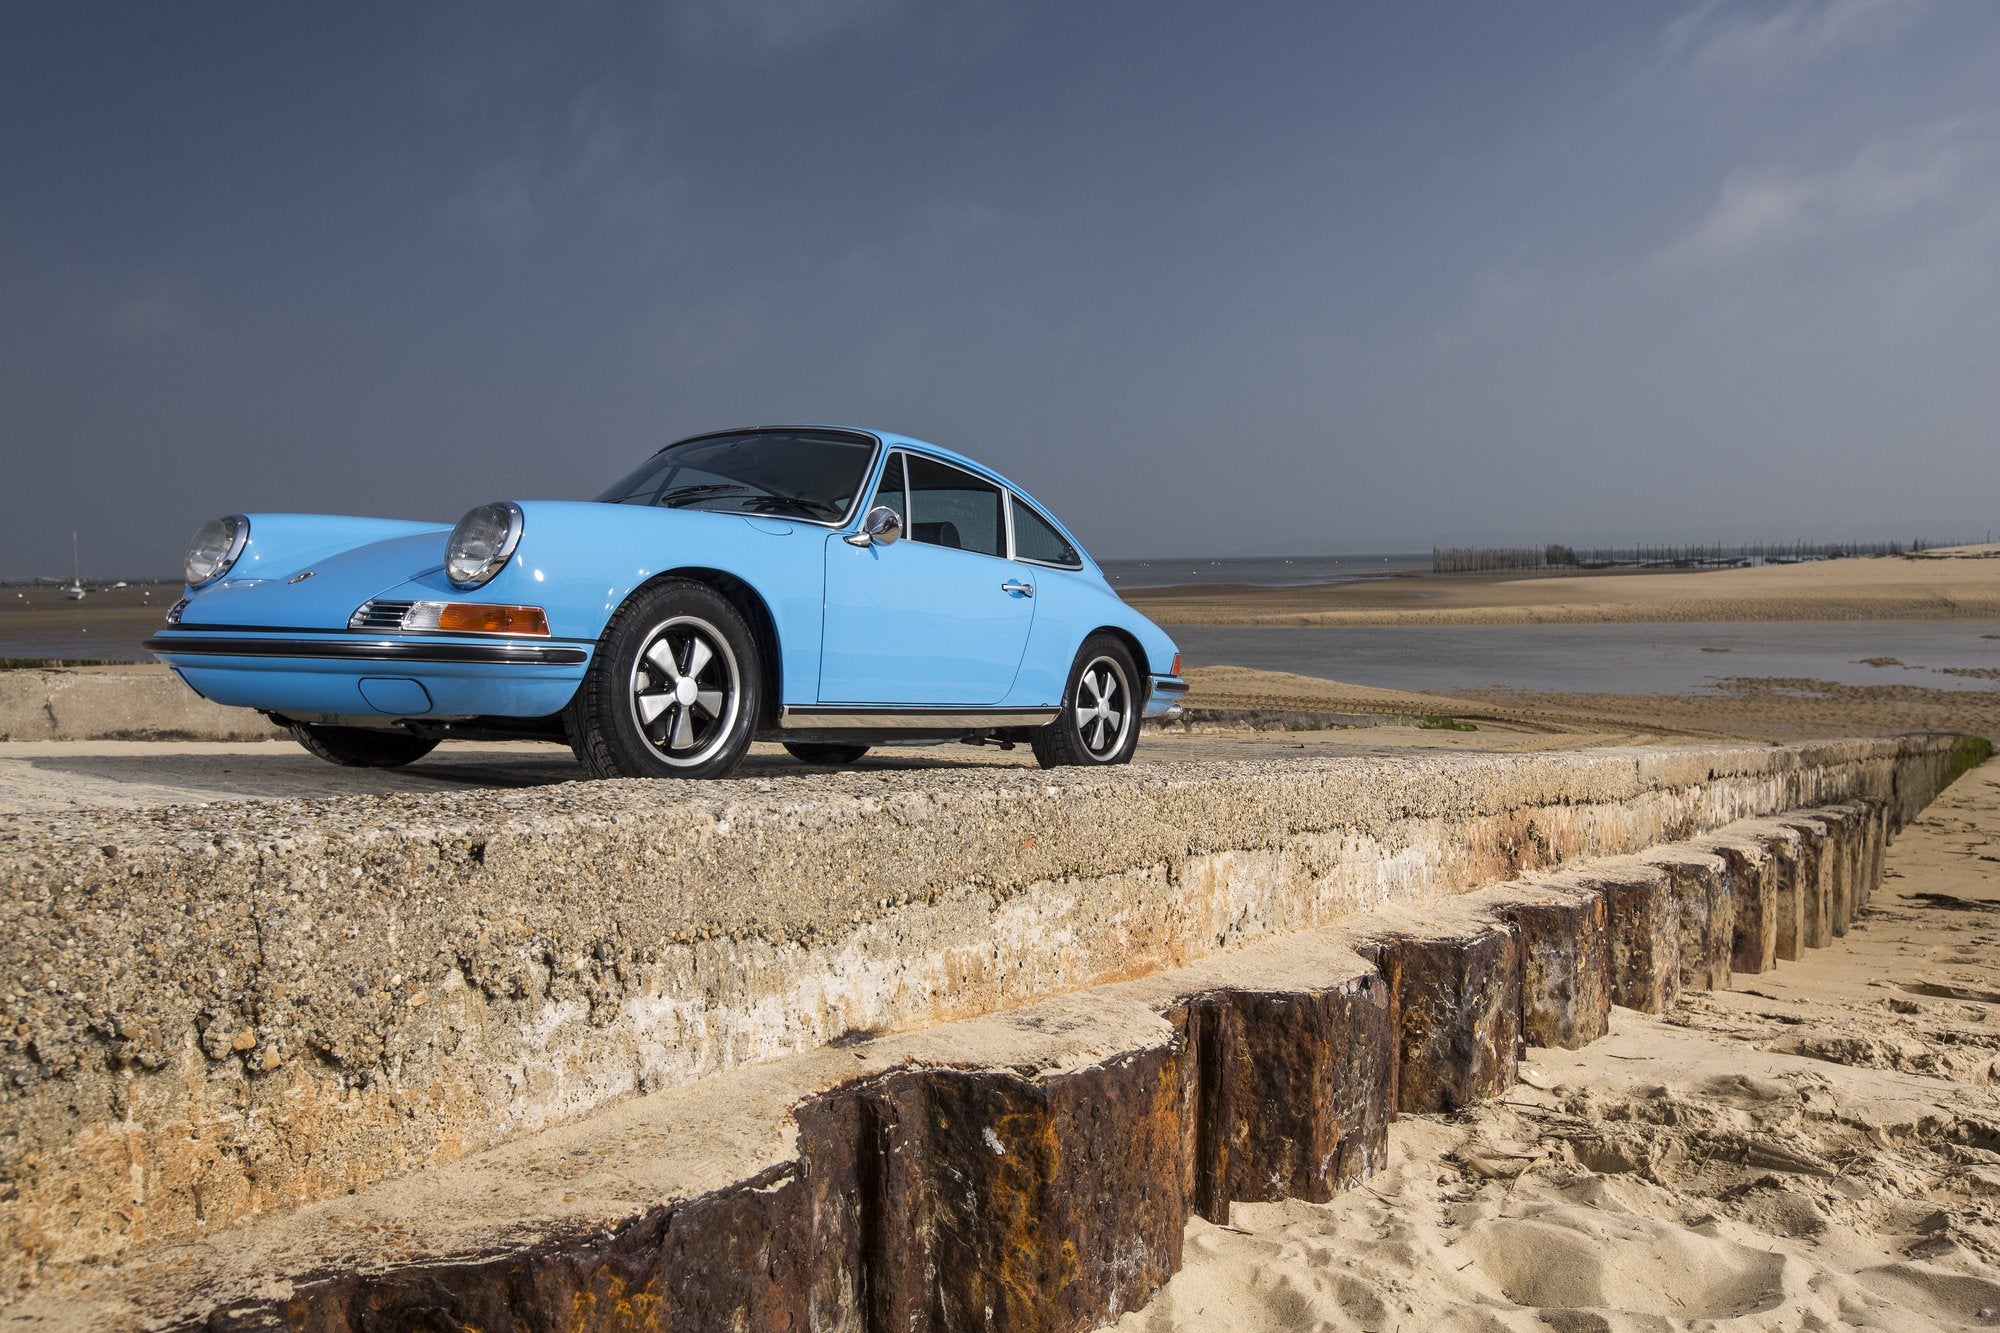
1037,539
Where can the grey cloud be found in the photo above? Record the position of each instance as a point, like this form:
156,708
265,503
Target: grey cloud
1203,278
1886,180
1731,38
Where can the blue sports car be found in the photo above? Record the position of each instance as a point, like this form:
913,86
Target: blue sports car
825,587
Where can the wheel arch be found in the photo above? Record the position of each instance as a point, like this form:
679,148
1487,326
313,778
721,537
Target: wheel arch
1131,644
749,604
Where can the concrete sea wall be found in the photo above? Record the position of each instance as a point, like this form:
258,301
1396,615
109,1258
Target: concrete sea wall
219,1015
118,703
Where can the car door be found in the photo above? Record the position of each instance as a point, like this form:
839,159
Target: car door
938,619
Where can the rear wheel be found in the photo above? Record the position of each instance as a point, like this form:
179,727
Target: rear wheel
1099,722
673,691
817,752
358,747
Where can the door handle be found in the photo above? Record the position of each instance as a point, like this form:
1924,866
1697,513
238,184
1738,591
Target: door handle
1025,589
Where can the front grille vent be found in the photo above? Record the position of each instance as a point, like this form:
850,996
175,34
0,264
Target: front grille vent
379,615
174,611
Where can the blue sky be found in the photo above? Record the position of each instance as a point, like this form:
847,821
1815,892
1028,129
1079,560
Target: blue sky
1208,279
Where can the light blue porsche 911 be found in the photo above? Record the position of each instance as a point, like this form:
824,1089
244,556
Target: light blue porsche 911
825,587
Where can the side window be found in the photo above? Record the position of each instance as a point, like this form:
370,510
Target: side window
893,488
1035,538
953,508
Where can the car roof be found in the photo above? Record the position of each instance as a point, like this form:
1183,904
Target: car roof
889,438
893,440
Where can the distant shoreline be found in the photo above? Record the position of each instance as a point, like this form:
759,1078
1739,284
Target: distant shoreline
1946,585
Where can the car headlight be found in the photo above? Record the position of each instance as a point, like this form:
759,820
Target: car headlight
482,544
215,548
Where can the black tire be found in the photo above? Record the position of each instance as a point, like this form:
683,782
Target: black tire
1099,723
359,747
825,752
633,717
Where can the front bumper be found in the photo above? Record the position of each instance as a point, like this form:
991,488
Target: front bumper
375,675
1163,696
368,650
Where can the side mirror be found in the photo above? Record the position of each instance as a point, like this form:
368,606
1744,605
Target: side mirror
881,524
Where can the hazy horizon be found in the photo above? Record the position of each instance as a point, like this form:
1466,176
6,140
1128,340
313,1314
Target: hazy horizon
1249,281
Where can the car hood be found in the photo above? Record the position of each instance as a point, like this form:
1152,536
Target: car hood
315,593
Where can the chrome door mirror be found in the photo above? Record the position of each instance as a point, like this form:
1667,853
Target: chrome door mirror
881,524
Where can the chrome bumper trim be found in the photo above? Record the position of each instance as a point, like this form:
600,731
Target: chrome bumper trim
370,650
1163,699
889,717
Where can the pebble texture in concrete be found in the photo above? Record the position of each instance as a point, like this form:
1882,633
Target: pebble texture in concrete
1041,1184
219,1013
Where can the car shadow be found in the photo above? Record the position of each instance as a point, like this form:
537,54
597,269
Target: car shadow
48,783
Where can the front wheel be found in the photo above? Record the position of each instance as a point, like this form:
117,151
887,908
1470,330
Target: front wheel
1099,722
673,691
358,747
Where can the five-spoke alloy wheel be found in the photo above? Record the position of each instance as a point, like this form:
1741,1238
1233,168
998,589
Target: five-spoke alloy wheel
673,690
1099,723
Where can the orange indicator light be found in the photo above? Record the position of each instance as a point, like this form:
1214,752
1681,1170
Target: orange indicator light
1177,666
476,618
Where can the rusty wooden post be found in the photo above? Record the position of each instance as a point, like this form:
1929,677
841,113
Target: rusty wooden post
1458,998
1645,937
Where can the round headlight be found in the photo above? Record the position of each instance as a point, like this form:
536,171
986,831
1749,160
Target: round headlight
215,548
482,544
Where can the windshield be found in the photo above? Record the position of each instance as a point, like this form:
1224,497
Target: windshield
813,474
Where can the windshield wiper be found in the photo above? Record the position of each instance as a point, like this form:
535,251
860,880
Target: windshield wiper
796,504
666,501
761,501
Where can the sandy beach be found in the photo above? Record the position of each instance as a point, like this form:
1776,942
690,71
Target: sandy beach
1958,583
1814,1149
1961,584
1767,709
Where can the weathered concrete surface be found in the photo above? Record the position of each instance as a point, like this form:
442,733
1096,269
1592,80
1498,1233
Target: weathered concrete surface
1027,1170
140,702
222,1013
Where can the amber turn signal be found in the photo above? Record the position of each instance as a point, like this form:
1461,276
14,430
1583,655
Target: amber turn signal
1177,666
477,618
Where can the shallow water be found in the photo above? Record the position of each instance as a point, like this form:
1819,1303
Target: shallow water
107,625
1609,659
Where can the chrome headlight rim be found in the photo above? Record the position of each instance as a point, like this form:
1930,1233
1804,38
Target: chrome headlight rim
232,550
460,569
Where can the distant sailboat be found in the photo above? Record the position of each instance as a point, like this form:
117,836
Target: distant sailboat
75,590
